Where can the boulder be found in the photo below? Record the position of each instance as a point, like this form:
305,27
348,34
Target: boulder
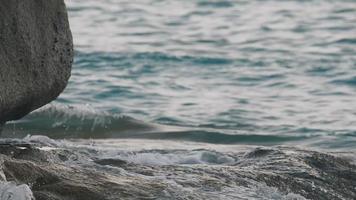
36,54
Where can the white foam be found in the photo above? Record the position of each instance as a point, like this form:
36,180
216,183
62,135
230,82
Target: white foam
176,157
11,191
40,139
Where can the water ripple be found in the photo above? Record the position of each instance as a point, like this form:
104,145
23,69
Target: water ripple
283,68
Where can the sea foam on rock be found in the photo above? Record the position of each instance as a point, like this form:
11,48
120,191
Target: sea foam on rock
11,191
67,172
36,54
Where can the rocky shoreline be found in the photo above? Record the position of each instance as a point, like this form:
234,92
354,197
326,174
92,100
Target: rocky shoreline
36,54
60,173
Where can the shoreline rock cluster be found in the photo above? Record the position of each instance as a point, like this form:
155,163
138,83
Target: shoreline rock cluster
65,174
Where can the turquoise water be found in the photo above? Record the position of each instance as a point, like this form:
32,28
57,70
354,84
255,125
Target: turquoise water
226,72
207,99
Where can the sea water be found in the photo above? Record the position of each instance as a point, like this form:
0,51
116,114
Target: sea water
207,74
262,72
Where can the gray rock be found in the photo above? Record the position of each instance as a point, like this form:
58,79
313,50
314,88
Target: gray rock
67,174
36,54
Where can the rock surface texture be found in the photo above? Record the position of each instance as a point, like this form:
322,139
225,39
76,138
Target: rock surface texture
36,54
62,173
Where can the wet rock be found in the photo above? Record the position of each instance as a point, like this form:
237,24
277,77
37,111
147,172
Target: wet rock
77,173
313,175
259,152
112,162
36,53
51,180
20,150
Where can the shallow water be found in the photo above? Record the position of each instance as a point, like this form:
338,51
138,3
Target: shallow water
215,73
247,71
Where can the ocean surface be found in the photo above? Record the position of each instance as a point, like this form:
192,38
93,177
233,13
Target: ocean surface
226,72
220,75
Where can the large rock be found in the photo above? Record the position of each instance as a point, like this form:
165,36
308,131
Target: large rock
36,54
